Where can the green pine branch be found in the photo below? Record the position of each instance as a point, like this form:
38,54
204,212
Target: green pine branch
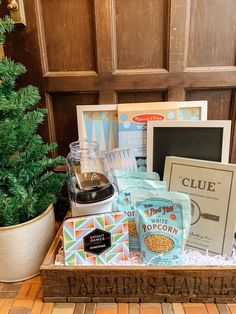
9,214
16,133
9,71
28,184
6,26
18,101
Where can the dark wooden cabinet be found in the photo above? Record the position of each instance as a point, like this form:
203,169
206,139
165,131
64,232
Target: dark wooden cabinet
117,51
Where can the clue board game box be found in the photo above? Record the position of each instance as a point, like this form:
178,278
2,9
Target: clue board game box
212,188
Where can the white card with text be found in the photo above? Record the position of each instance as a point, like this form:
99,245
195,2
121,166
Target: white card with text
212,189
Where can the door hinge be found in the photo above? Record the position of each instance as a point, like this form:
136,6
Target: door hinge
17,11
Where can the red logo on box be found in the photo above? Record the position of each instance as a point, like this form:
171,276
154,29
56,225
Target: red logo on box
144,118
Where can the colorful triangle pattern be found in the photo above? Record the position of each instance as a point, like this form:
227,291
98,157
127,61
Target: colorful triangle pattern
75,229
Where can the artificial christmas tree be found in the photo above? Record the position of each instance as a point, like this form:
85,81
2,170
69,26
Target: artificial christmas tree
26,187
27,183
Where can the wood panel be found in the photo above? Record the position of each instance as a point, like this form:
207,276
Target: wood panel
69,35
120,51
104,39
179,20
221,106
233,118
212,33
64,112
140,32
141,96
219,102
139,81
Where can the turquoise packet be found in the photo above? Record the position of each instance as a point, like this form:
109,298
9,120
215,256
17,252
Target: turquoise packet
136,175
126,179
162,228
134,191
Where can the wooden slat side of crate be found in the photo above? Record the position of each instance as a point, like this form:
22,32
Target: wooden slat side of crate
139,283
53,250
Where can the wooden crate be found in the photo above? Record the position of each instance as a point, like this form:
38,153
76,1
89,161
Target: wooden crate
135,284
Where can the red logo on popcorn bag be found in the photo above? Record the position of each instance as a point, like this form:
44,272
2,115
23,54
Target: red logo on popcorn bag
144,118
172,216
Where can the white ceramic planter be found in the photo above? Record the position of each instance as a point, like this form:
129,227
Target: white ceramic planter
24,246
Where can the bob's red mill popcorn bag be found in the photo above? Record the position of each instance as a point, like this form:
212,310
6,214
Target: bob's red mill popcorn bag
163,224
134,187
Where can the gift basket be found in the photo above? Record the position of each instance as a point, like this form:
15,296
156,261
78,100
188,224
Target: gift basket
133,236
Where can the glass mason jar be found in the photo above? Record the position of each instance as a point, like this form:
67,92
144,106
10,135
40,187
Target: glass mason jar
89,187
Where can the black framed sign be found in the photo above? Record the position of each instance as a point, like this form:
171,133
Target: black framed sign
205,140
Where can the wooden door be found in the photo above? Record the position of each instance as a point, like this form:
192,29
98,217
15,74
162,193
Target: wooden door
119,51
